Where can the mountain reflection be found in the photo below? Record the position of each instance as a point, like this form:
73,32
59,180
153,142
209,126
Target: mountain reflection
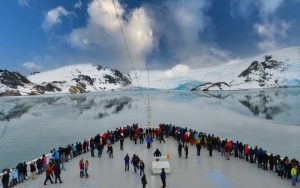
264,104
16,108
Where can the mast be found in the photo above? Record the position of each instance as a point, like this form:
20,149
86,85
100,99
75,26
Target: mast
148,103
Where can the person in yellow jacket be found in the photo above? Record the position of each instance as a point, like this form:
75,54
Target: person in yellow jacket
294,176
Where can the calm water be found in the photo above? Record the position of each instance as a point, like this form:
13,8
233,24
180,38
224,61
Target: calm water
30,126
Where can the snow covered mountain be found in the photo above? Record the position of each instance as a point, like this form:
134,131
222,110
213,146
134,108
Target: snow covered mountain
278,68
69,79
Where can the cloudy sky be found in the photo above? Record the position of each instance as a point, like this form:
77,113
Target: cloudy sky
38,35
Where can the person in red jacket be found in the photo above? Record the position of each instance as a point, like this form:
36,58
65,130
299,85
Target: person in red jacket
246,151
227,150
81,167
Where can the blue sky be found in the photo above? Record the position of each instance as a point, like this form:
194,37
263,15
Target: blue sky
39,35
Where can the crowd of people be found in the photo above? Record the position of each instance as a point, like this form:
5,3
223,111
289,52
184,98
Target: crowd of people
51,165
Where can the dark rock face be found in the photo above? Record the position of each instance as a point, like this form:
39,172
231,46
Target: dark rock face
12,79
86,78
35,72
117,78
259,69
10,94
208,85
48,87
121,78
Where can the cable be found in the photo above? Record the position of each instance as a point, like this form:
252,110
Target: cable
128,52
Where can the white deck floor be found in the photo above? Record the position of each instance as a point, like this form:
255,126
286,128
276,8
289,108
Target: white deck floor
195,171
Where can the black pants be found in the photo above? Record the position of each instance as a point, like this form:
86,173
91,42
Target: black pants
92,153
57,177
180,153
126,167
121,145
48,178
148,145
144,185
210,152
5,184
163,182
198,151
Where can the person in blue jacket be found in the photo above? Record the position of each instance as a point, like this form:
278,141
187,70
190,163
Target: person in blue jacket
127,159
56,155
163,177
148,141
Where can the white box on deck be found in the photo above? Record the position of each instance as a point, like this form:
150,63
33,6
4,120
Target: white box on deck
159,163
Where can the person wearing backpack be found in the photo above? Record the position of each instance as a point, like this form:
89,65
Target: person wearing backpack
32,170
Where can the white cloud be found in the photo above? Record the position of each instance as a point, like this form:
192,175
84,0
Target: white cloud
177,70
54,17
177,24
265,8
78,5
270,28
180,25
23,3
103,32
269,7
32,65
270,32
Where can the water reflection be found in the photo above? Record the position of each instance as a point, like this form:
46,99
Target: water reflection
16,108
264,104
276,104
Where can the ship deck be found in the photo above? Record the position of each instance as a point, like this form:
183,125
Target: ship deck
203,171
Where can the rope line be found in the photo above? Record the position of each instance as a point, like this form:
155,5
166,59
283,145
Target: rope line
128,51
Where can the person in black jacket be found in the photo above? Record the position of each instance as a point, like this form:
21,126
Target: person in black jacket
144,180
92,144
24,170
39,165
271,162
251,154
186,150
57,172
265,159
157,153
5,177
198,146
210,148
121,141
20,172
32,169
180,149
